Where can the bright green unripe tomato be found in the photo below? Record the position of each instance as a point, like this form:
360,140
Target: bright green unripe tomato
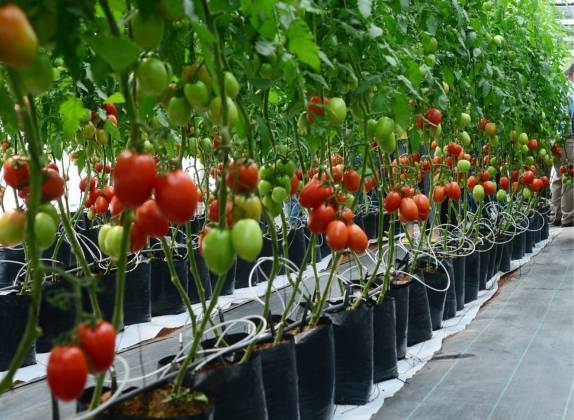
493,161
336,110
231,85
247,239
526,193
542,152
197,94
384,128
501,196
44,229
525,149
153,76
463,120
216,111
523,138
264,187
279,194
463,165
464,138
529,160
438,152
371,126
491,171
436,131
178,111
218,250
113,241
478,193
388,143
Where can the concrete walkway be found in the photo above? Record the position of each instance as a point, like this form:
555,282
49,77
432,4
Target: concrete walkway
514,361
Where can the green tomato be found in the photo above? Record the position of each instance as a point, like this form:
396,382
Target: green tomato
388,143
463,120
102,136
526,193
279,194
501,196
337,110
436,131
430,60
491,171
432,45
493,161
216,113
246,208
247,239
523,138
371,127
153,76
266,172
44,229
89,131
102,234
218,251
463,165
384,128
464,138
530,160
205,144
498,40
231,85
525,148
148,146
290,169
39,76
542,152
148,32
272,207
113,241
178,111
51,211
439,152
478,193
264,187
197,94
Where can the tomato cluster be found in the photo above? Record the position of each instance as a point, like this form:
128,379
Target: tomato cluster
278,181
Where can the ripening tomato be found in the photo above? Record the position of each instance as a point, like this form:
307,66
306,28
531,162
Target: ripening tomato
313,194
319,218
433,116
471,182
357,239
177,196
244,207
453,191
337,235
99,344
151,220
351,180
115,206
408,210
438,194
392,201
18,41
12,227
52,185
246,173
134,178
489,187
67,372
137,238
504,182
101,205
420,122
316,107
422,202
16,172
347,216
337,173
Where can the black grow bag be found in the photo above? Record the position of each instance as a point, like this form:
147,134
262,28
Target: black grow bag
528,238
505,255
57,313
494,262
484,251
137,299
242,270
399,291
450,305
517,248
105,287
11,262
420,326
229,285
545,232
353,332
279,372
297,246
13,317
472,277
316,372
235,389
64,256
384,341
437,279
165,299
204,276
370,222
459,270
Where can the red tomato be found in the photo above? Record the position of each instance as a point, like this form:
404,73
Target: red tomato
110,109
108,192
408,191
484,176
471,182
453,191
108,168
313,194
504,183
16,172
319,218
115,206
294,184
532,144
420,122
489,187
176,195
439,194
67,372
433,116
98,166
357,240
392,202
213,212
514,175
52,165
416,157
527,177
536,185
137,238
545,180
315,107
337,235
84,181
437,160
348,216
99,344
101,205
246,173
422,202
52,185
408,210
150,220
134,178
351,180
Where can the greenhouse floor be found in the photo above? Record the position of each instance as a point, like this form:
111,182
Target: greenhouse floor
514,361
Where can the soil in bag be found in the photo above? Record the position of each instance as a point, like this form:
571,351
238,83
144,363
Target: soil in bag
165,299
57,313
436,279
353,332
235,389
400,292
150,403
315,350
484,254
384,340
472,277
137,299
279,371
13,318
11,262
420,326
459,270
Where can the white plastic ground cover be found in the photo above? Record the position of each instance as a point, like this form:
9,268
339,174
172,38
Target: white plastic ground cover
137,333
418,355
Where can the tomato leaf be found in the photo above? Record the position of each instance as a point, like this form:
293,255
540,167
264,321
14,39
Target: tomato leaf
301,44
118,52
72,112
116,98
9,121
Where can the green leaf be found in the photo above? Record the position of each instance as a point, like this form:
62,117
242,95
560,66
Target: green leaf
118,52
113,131
116,98
9,121
72,112
301,44
401,111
